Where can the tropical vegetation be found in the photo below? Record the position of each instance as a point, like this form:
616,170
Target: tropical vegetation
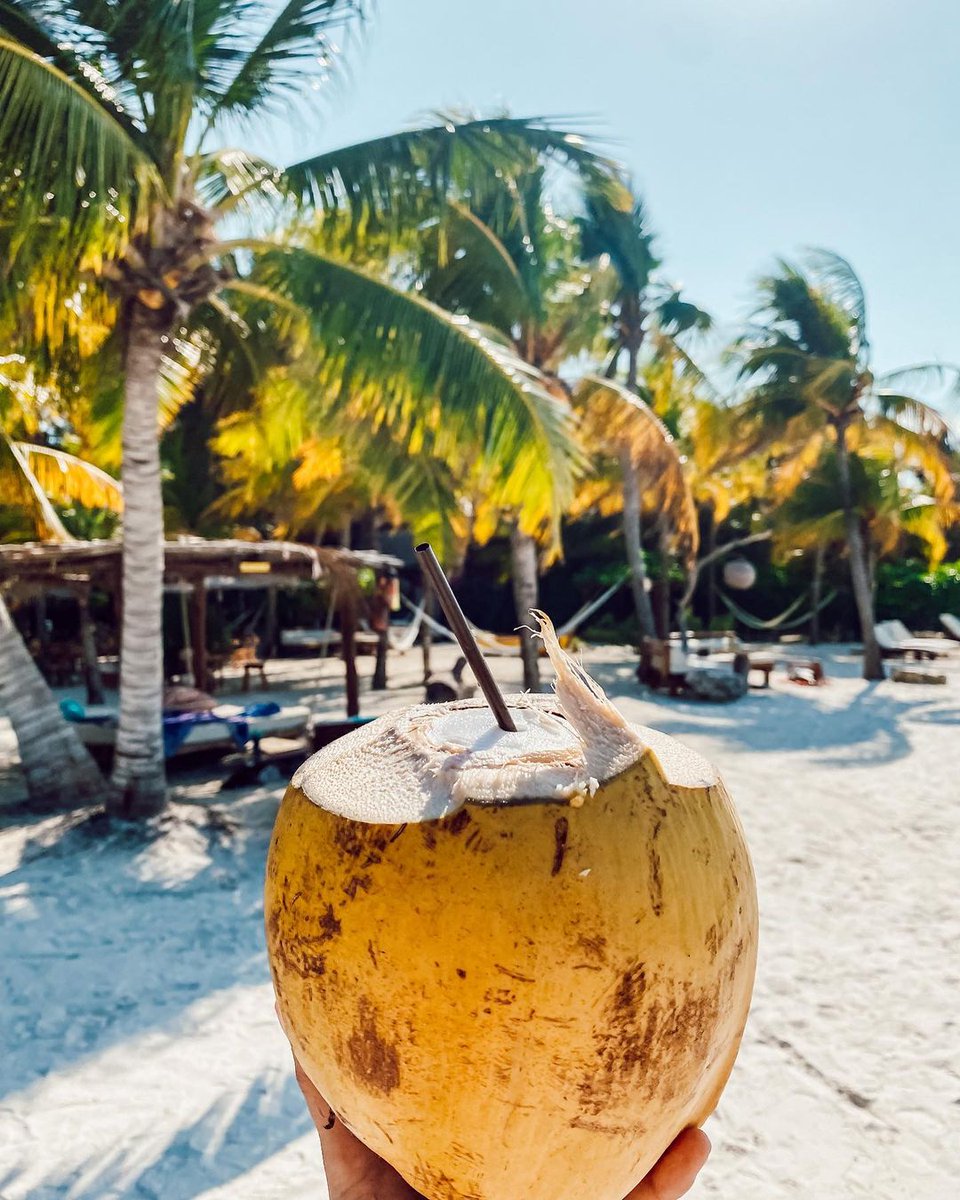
430,331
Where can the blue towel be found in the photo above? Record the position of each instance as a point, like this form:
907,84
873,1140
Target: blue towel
177,726
74,711
268,708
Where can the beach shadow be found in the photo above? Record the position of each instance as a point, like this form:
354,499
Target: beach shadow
110,932
225,1142
874,728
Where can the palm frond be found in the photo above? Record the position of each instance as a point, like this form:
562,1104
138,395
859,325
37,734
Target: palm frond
430,377
387,180
613,419
912,414
300,36
466,267
616,224
234,180
841,282
21,489
922,375
69,208
66,479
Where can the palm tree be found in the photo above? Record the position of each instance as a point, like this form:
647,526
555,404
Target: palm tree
634,458
615,229
504,257
808,361
114,194
891,503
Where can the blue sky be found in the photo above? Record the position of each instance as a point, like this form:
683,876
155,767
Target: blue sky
752,127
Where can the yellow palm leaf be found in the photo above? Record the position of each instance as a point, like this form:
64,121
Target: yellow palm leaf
66,479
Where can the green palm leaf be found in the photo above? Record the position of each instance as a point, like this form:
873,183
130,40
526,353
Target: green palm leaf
299,37
388,179
87,195
429,376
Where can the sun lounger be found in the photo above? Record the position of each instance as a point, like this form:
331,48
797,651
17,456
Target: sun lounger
951,624
227,727
896,641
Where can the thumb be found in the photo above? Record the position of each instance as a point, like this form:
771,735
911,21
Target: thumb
675,1173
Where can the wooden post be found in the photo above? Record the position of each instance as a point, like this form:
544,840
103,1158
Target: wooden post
270,632
198,634
348,629
88,645
429,603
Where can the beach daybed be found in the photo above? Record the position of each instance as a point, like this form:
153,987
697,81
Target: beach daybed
226,727
665,664
951,624
896,641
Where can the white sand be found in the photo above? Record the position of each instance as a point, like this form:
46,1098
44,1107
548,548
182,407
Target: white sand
141,1056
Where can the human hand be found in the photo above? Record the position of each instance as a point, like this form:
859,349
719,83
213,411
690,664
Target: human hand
356,1173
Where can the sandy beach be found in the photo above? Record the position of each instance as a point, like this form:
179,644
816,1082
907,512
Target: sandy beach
141,1057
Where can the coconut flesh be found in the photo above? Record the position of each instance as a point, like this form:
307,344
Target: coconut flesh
516,964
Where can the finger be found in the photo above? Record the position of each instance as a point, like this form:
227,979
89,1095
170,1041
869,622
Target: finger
674,1174
321,1112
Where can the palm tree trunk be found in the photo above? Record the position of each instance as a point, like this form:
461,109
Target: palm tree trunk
632,537
859,566
523,555
138,785
819,561
60,773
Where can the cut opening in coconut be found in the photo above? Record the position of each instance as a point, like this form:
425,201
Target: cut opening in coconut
426,762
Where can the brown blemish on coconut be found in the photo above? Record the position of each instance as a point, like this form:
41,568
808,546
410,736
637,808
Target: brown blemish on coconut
303,956
638,1049
656,873
622,1041
436,1183
513,974
373,1060
458,822
595,947
329,925
561,828
357,883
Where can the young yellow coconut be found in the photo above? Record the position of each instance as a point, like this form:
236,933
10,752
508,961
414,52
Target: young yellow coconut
516,964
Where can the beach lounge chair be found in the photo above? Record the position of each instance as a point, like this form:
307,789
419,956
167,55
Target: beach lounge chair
896,641
226,727
951,624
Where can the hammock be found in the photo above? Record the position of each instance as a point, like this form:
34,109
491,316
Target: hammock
498,644
786,620
404,639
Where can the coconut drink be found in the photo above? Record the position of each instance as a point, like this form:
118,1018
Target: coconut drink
517,963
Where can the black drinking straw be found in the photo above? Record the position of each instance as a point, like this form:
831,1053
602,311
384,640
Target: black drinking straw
458,623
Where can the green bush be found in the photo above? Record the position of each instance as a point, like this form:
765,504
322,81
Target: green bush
909,592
